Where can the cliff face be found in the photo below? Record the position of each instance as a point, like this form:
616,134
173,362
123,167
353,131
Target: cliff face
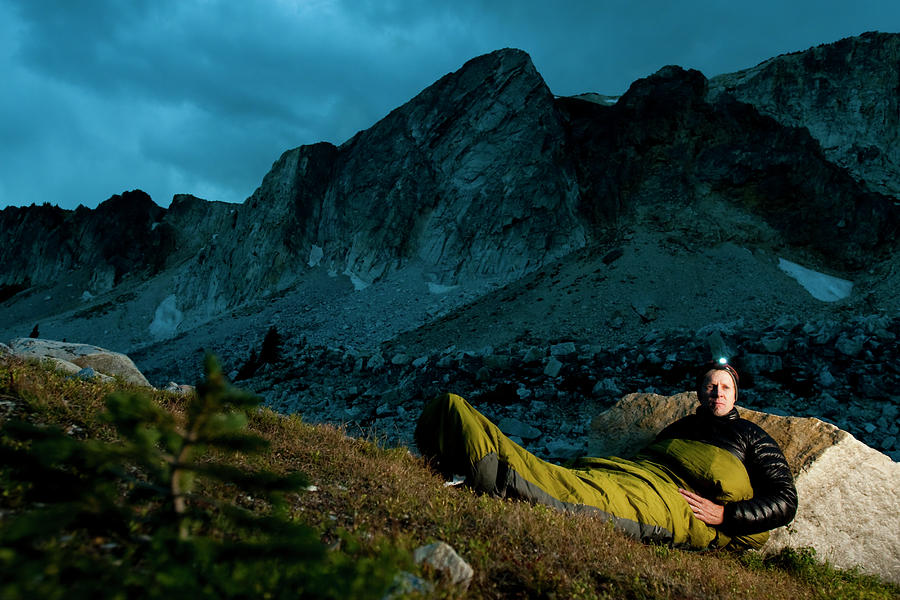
847,94
663,152
486,176
40,244
468,179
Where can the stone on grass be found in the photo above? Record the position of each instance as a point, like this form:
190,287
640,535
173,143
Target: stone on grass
442,557
176,388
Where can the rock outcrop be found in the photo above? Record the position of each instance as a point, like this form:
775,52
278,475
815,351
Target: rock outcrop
468,179
41,244
665,155
72,358
477,182
849,509
847,94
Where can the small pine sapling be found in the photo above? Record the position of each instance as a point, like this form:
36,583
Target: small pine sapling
126,519
173,454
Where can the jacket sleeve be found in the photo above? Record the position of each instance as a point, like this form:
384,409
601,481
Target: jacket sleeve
774,501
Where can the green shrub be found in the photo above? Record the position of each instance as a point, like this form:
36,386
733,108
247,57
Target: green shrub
145,517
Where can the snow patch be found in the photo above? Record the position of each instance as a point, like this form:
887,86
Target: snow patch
822,287
358,284
87,296
166,320
437,288
315,256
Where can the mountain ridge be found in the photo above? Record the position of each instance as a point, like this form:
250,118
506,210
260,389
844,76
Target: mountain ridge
483,179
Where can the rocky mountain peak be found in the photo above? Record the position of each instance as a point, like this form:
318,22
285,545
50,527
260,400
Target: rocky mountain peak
133,206
673,85
846,93
468,178
39,245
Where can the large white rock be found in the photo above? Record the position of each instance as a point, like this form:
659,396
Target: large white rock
107,362
849,493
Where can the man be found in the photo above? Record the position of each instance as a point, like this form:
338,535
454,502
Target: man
710,479
716,422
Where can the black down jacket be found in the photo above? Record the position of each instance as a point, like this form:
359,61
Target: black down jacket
774,501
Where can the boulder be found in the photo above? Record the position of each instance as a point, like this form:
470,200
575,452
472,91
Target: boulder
443,558
375,362
64,354
514,427
113,364
41,348
63,366
849,509
401,359
563,349
553,367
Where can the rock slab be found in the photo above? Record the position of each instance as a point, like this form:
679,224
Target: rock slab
71,357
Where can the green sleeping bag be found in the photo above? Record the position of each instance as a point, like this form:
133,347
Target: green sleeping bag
639,496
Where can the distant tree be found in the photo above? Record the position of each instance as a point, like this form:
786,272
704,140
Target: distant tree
249,367
269,353
34,332
271,347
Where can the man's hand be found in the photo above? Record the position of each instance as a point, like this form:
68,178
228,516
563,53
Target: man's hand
706,510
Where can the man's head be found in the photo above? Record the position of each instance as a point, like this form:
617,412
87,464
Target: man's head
717,388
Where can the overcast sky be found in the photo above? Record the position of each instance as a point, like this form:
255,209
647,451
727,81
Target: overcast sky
202,96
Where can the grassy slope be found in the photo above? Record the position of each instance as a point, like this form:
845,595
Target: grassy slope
390,498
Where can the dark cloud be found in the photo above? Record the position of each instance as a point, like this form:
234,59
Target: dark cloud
201,97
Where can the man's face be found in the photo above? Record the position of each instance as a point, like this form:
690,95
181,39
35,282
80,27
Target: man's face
717,392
